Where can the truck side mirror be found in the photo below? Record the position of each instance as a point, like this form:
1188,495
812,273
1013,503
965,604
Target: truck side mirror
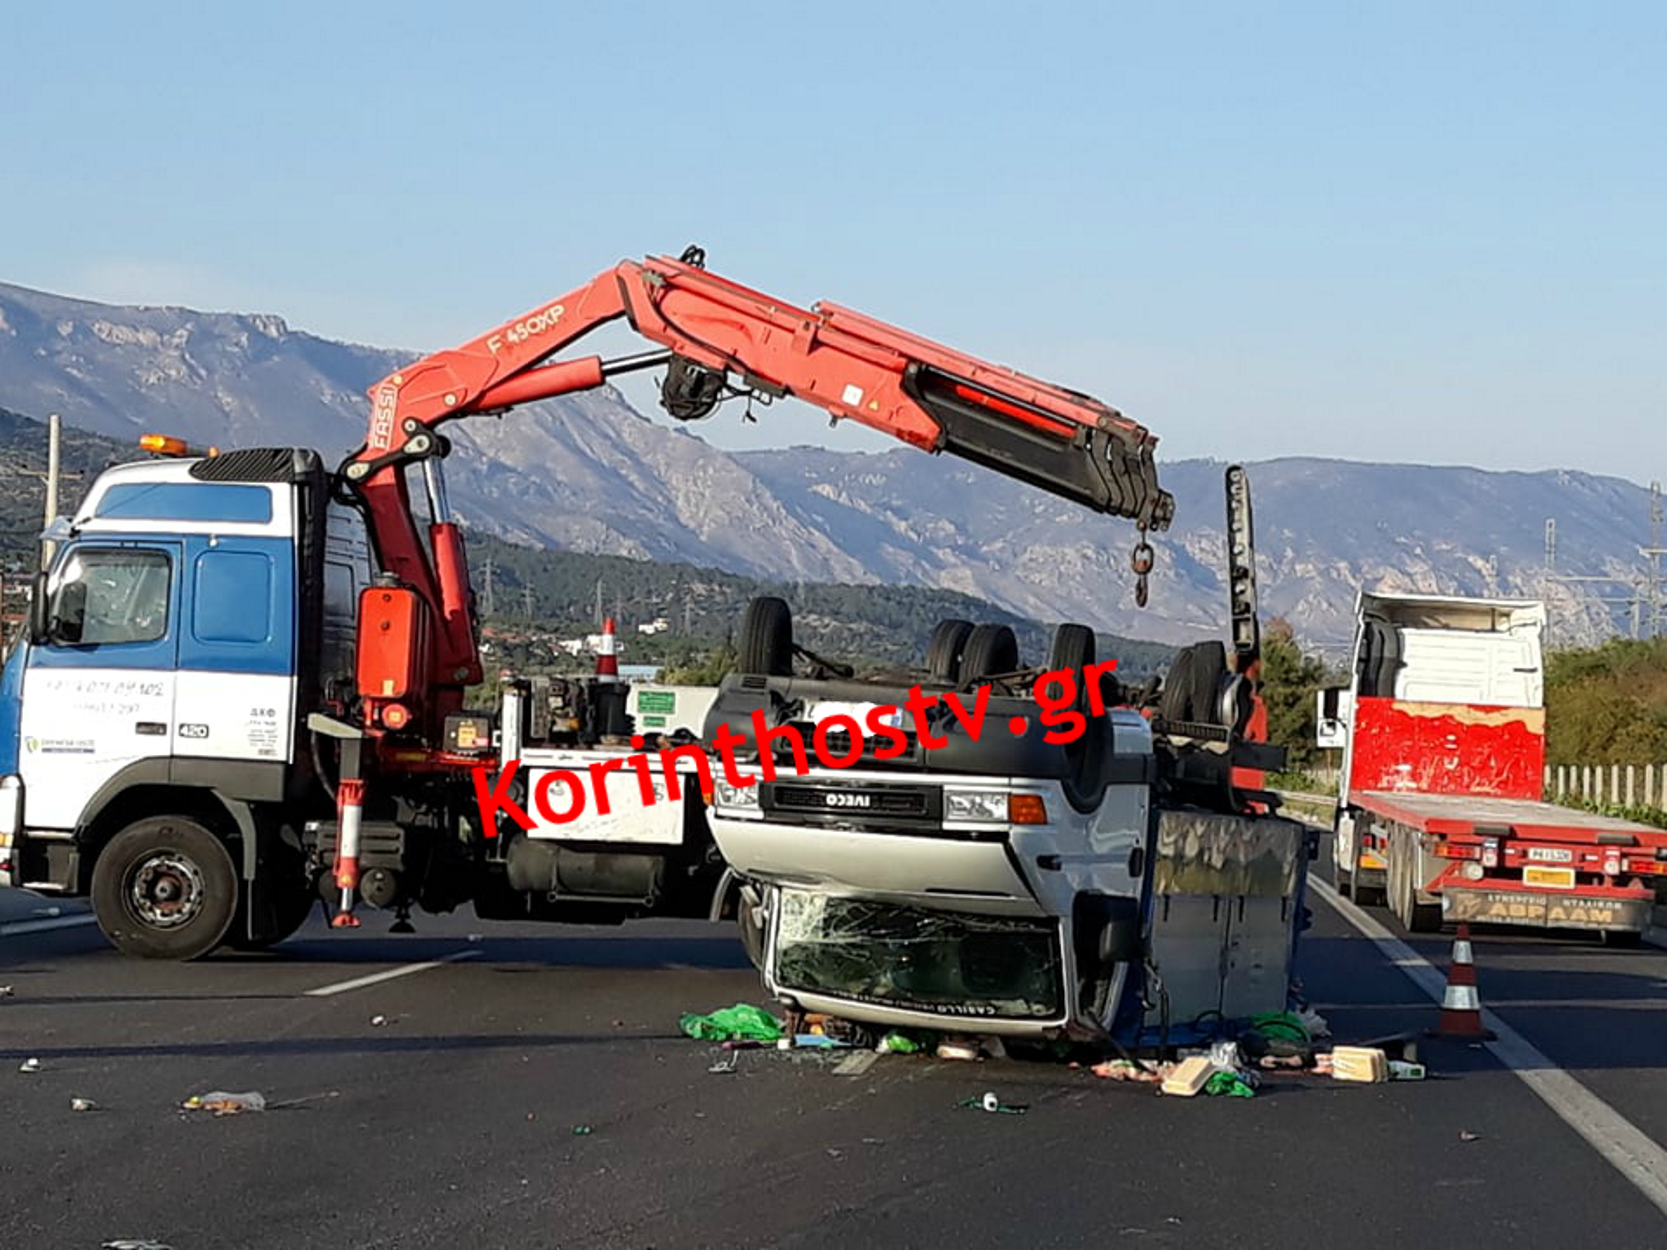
1331,718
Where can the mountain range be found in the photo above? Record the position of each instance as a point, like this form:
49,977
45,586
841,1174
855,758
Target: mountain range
590,473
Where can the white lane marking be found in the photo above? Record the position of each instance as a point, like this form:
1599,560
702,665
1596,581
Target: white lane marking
376,978
855,1065
1634,1155
18,928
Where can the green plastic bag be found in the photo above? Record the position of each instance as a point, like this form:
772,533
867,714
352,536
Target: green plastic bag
1230,1084
742,1022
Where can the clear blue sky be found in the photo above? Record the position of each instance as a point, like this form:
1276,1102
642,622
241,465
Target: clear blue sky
1436,232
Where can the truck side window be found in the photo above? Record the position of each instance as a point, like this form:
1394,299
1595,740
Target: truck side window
112,596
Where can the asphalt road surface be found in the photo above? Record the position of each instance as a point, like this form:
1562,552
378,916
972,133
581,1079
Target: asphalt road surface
453,1121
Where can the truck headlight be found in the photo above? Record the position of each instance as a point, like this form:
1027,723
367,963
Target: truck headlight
975,805
743,797
11,808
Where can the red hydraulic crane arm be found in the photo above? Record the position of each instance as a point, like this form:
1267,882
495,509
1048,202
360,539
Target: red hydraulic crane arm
721,339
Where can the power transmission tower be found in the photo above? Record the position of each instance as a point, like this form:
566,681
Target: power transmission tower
1652,556
488,604
527,601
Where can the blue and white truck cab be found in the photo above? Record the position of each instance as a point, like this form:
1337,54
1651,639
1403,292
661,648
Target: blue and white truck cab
159,732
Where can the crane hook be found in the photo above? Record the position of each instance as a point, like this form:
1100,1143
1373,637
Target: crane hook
1141,561
694,256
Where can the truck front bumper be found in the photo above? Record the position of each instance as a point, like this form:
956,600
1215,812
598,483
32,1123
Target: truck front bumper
1543,909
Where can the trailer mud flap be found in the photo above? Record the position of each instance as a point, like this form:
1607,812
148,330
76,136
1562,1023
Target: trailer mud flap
1551,911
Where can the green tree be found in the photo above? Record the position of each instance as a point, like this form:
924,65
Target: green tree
1290,681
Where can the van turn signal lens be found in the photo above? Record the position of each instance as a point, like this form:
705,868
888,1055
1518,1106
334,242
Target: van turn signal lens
1026,809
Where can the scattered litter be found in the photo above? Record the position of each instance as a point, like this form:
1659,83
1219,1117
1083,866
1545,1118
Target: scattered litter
1359,1063
1467,1135
899,1044
5,991
1189,1077
1225,1055
1314,1022
835,1154
377,1022
724,1067
1128,1070
819,1041
743,1043
29,1065
222,1103
989,1102
619,1024
1401,1070
958,1048
132,1243
1230,1085
740,1021
581,1130
83,1104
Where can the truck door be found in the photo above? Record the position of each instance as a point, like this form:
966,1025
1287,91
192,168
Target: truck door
98,693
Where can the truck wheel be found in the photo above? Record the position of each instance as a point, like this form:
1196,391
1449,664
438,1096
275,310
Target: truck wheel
767,638
165,888
990,650
1073,649
943,653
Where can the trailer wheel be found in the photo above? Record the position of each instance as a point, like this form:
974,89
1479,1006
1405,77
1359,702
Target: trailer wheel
767,638
990,650
1414,916
1621,939
944,651
165,888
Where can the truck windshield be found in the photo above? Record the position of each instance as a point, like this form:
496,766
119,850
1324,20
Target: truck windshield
953,963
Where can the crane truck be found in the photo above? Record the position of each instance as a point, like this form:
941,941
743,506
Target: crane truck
243,685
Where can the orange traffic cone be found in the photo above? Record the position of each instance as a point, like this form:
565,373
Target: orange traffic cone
607,654
1461,1005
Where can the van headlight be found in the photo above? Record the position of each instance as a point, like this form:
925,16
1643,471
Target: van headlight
742,799
990,805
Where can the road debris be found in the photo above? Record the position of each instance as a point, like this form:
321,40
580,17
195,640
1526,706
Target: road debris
899,1044
83,1104
989,1102
1189,1077
6,991
29,1065
742,1021
377,1022
222,1104
581,1130
134,1243
1401,1070
1467,1135
1129,1070
1230,1084
724,1067
962,1049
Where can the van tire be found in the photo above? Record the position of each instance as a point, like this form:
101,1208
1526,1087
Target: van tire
767,638
165,888
990,651
944,651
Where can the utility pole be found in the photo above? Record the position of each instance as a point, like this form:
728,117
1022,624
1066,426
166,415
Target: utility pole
598,603
527,601
488,606
1652,555
54,437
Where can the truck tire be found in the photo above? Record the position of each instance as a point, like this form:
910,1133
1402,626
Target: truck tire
943,653
165,888
1073,649
1193,685
1414,916
990,651
767,638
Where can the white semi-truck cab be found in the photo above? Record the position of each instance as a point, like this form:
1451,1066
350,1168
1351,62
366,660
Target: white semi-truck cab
161,746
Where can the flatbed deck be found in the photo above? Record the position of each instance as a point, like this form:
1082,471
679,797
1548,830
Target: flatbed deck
1463,813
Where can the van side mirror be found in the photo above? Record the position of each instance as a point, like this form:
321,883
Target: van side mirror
38,613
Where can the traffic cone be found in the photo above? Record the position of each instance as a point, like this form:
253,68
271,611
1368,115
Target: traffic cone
1461,1005
607,655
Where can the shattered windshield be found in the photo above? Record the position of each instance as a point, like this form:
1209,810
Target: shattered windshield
944,962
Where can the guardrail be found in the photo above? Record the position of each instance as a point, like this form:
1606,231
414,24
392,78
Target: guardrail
1628,785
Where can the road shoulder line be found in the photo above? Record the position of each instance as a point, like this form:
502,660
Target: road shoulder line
19,928
1622,1144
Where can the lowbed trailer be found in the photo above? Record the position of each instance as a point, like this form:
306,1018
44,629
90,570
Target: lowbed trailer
1443,733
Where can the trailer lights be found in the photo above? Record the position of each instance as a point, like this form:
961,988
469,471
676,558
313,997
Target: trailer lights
1473,871
1612,866
1490,853
396,716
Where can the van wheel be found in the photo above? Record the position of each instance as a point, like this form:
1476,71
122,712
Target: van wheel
165,888
767,638
990,650
943,653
